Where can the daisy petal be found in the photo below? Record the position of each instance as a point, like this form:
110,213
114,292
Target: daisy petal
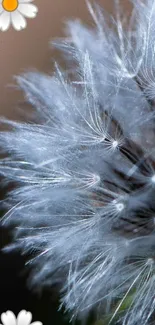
23,1
35,323
18,21
1,9
5,20
28,10
8,318
24,318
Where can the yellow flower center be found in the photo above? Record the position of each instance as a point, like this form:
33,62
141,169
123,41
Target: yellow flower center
10,5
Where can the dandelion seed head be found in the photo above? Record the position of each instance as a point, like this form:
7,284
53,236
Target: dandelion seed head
82,205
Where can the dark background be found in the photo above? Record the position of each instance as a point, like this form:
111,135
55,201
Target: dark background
15,293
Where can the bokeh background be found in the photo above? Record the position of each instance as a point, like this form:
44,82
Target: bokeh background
20,52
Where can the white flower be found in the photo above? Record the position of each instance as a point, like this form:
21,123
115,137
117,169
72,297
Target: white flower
23,318
12,12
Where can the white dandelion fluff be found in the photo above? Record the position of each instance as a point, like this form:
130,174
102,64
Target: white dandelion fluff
85,170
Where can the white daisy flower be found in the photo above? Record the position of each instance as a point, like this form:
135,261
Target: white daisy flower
12,12
23,318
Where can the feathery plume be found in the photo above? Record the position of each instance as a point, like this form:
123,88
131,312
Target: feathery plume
84,203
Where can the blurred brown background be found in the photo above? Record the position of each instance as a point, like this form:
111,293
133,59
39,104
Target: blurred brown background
29,48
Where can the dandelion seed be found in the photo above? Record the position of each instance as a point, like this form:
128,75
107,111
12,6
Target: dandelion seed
153,179
150,261
115,144
120,207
